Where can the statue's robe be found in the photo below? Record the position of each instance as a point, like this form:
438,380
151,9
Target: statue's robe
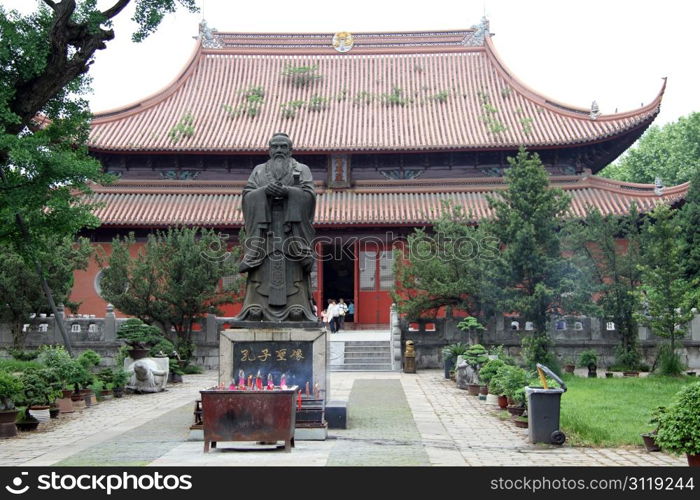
278,256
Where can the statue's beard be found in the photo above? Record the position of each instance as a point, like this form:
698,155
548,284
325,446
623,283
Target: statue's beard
279,166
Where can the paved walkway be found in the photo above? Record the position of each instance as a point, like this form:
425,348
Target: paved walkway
395,419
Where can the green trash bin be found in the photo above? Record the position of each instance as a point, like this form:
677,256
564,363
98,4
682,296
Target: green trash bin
543,411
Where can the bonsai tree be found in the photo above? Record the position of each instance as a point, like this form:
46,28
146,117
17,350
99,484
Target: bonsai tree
475,357
10,389
89,359
38,389
513,378
488,371
139,335
119,379
679,425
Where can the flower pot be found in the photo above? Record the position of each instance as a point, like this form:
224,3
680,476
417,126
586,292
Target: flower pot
690,374
27,425
630,374
569,368
448,365
516,410
483,389
693,460
482,397
7,423
65,405
54,412
473,389
135,353
649,439
592,373
520,423
106,394
502,402
118,392
67,393
609,374
41,413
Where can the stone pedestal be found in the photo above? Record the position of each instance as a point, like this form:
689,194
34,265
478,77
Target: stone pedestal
276,349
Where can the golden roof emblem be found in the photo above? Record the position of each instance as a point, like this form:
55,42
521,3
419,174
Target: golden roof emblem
343,41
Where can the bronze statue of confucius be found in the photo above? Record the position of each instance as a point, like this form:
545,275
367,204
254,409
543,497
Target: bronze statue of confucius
278,213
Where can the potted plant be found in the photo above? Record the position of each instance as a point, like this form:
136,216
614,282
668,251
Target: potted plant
569,365
475,356
89,359
176,371
679,426
514,379
139,337
449,356
589,359
497,386
106,378
119,380
519,403
521,421
10,389
38,393
486,374
649,438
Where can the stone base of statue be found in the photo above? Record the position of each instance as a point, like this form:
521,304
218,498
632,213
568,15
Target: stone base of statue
147,374
292,353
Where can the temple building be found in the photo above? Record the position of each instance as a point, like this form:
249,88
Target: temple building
391,124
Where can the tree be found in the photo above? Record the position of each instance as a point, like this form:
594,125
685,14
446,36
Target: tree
20,287
534,279
666,296
446,267
670,152
611,246
172,281
44,124
689,221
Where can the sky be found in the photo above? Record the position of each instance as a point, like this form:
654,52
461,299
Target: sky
615,52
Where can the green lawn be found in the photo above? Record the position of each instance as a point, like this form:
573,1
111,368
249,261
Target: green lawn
613,412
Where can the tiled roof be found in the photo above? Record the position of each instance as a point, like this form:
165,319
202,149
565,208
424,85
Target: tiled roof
417,91
385,203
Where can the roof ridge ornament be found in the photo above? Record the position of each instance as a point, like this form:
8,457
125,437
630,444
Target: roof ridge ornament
595,110
207,35
479,36
658,186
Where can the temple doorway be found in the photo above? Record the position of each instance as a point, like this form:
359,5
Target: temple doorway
338,273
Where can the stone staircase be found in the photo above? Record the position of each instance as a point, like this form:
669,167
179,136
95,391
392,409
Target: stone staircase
363,355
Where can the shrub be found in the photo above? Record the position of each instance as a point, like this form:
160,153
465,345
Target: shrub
508,380
89,359
451,351
489,370
163,346
22,355
538,349
192,370
119,377
679,425
627,359
10,389
669,361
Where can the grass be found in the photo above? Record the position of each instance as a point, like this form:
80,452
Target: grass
614,412
15,365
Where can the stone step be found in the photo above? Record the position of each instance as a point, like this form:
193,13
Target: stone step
366,343
364,367
367,355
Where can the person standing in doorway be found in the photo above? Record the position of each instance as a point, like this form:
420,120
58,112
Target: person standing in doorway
350,316
342,311
332,313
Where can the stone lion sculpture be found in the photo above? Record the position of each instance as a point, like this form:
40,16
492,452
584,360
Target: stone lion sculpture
148,374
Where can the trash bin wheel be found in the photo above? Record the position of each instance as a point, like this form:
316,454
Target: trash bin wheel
557,437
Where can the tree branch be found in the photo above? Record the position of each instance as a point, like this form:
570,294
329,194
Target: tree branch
115,9
50,3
